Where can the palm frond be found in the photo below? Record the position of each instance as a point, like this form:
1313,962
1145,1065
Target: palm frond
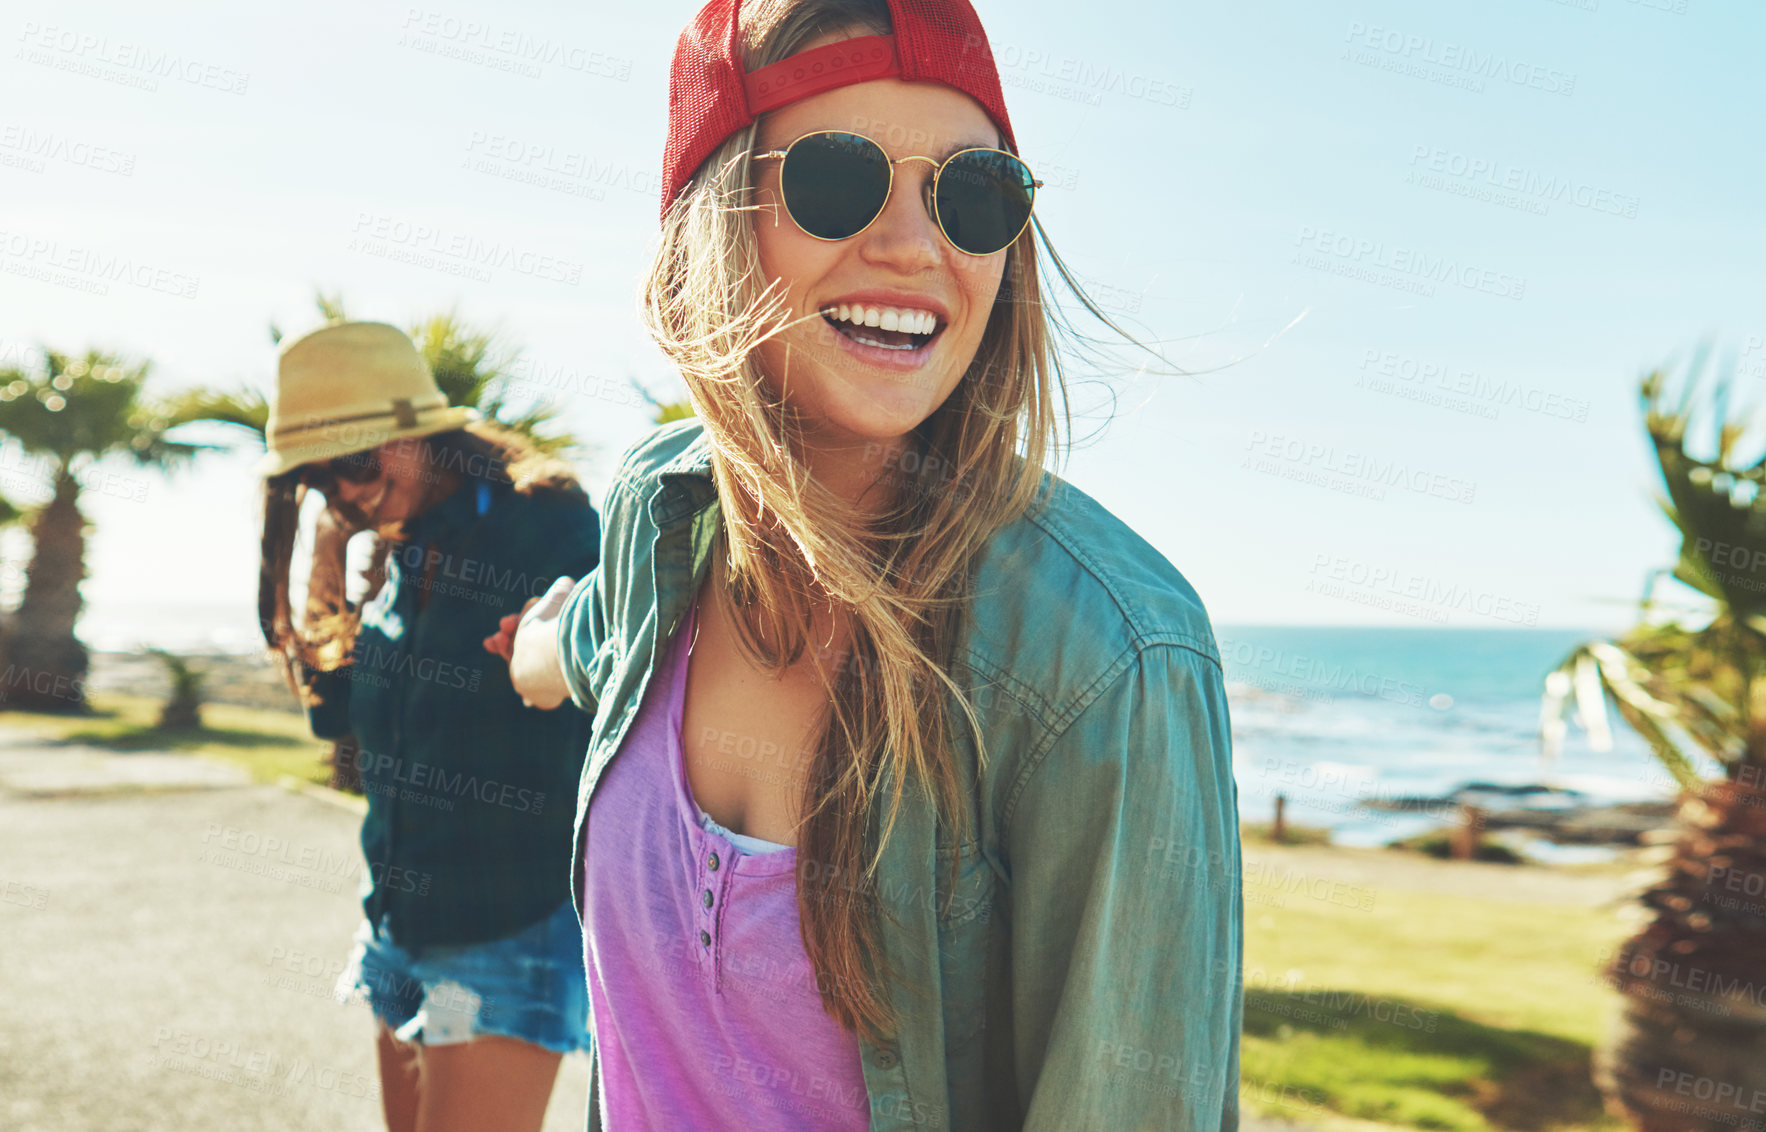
245,408
1690,691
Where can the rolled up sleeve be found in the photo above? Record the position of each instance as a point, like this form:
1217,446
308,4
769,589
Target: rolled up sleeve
584,648
1127,907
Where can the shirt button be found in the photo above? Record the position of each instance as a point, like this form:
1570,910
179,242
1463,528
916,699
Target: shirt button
706,899
886,1059
705,938
712,863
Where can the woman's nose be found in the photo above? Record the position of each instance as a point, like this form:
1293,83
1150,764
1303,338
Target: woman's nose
906,233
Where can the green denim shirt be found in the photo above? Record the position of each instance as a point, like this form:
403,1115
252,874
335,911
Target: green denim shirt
1086,973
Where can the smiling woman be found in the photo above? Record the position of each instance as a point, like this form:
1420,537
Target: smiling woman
953,910
467,952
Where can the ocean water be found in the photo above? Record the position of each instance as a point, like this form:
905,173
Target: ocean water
1330,716
193,627
1326,717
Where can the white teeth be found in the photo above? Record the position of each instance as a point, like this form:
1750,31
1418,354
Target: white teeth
881,345
899,319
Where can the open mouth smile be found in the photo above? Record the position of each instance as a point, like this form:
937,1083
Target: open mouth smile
905,330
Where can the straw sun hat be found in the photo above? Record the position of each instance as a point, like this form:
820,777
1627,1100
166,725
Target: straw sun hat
350,387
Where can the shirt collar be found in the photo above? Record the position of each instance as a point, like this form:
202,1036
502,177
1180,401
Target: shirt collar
684,484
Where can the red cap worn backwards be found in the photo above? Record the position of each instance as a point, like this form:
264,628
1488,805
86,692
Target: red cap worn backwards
710,96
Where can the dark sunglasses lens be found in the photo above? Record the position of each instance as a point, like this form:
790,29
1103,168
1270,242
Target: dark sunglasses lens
358,467
835,184
984,200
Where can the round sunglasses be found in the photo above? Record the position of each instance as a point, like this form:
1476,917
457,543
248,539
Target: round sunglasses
836,183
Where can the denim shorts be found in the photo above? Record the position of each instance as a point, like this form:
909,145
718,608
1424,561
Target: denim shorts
529,986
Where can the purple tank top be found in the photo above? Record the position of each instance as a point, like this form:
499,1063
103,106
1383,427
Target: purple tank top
704,1005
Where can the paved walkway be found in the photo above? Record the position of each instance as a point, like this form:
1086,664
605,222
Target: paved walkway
169,936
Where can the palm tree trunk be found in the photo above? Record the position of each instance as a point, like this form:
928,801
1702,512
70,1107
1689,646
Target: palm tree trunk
1688,1050
45,664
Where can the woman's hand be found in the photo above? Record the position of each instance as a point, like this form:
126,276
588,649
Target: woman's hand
529,642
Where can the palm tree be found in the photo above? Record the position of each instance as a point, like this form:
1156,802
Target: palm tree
71,413
1690,1036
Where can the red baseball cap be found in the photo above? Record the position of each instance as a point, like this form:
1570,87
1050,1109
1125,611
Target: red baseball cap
710,96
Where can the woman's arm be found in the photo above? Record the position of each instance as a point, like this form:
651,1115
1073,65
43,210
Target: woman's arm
529,642
1127,910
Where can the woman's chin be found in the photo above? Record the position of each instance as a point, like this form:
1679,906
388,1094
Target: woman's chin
882,408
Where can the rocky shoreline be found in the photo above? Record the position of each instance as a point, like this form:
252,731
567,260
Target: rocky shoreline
1552,813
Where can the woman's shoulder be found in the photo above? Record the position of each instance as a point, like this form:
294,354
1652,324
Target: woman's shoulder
1068,593
676,444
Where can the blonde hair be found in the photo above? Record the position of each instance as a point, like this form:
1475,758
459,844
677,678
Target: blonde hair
903,574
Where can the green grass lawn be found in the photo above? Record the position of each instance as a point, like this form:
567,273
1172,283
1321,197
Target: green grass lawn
269,744
1424,1010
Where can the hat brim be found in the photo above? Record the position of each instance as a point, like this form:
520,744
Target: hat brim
362,439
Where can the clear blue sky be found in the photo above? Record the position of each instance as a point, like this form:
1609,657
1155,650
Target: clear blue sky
1578,183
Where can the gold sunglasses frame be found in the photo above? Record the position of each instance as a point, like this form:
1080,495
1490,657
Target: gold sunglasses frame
938,168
